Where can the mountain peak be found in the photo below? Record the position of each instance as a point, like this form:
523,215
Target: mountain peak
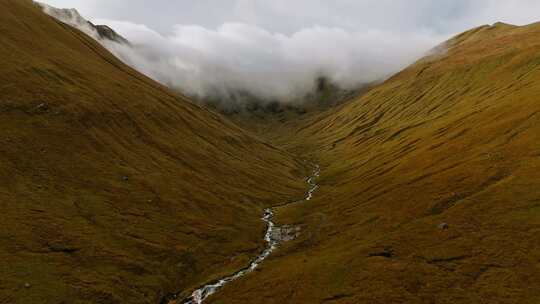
72,17
503,24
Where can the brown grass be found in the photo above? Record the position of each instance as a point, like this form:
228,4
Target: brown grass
114,189
454,138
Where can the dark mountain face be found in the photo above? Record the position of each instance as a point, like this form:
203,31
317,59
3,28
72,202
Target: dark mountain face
324,95
105,32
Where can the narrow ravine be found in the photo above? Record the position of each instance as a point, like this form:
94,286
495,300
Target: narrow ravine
201,294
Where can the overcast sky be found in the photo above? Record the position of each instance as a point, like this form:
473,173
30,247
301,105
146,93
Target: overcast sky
275,48
287,16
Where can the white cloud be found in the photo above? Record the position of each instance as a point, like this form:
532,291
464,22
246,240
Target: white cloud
239,57
275,49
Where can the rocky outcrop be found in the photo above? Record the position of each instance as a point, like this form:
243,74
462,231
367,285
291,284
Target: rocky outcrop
73,18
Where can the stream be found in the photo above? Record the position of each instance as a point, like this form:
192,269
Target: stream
271,239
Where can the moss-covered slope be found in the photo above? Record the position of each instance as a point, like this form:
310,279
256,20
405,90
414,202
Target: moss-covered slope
430,189
113,189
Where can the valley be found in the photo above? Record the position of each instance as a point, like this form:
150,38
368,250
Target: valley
117,189
428,191
274,237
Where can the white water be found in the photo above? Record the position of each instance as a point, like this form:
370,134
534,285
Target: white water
201,294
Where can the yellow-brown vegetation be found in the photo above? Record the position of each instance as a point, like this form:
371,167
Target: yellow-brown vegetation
430,188
114,189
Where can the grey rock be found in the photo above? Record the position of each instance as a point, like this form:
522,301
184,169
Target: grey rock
387,252
443,226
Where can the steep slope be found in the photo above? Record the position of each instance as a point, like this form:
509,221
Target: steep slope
114,189
430,188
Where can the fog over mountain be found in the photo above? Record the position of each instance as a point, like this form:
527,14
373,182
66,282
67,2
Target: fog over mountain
242,57
210,48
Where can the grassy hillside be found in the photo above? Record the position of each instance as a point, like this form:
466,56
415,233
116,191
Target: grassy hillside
114,189
430,186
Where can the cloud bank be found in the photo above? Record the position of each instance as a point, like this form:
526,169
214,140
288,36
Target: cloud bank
238,57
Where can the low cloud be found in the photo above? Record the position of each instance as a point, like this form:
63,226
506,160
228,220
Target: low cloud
238,58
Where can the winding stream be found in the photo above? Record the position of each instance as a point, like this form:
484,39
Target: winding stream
201,294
